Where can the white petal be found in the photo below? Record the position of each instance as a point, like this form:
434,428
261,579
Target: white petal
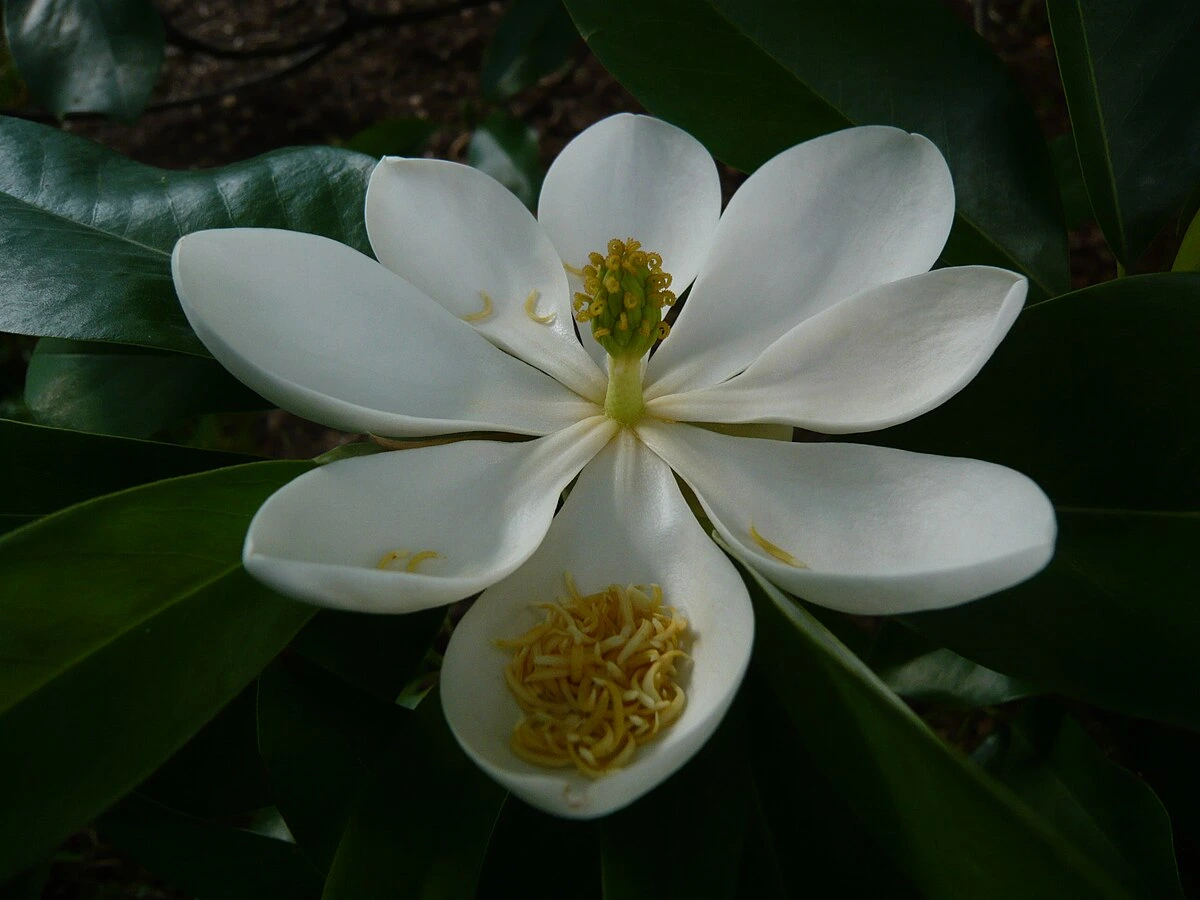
625,522
457,233
483,506
633,176
877,359
330,334
876,531
817,224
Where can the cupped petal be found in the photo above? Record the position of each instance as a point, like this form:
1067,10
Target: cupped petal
330,334
863,529
880,358
460,516
625,522
816,224
458,235
633,176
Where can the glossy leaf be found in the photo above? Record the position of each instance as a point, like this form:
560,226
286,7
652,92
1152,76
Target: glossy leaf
125,390
917,671
750,78
319,740
100,267
128,623
1188,257
1092,395
507,149
1111,813
421,825
1128,71
951,829
218,772
806,835
43,468
707,807
1112,621
377,654
568,853
393,137
87,55
534,39
208,859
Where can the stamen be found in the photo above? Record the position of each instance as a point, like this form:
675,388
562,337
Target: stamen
530,304
571,270
385,561
590,688
483,313
775,550
418,558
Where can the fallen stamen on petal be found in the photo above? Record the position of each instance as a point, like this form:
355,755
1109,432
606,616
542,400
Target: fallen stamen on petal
385,561
775,550
610,657
483,313
530,310
418,558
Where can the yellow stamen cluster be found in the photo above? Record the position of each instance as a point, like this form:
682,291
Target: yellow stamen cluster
624,294
596,678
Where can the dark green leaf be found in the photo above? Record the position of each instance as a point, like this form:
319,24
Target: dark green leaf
87,55
218,772
29,885
1077,209
1129,72
45,469
1112,621
1188,257
698,821
100,265
1093,395
750,78
319,739
393,137
125,390
507,149
421,825
568,853
947,825
942,676
1108,811
535,38
207,859
128,623
809,840
377,654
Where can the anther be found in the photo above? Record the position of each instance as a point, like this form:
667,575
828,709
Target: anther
530,303
483,313
418,558
775,550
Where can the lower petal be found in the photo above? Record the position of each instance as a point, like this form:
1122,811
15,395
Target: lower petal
866,530
625,522
449,520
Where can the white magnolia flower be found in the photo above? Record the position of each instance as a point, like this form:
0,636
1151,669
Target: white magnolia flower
812,306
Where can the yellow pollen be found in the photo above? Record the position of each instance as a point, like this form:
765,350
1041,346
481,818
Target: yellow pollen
775,550
597,678
530,310
483,313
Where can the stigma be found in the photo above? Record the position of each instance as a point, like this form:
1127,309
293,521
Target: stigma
624,294
597,678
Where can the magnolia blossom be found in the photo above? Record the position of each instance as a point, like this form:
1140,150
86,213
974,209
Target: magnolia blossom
811,305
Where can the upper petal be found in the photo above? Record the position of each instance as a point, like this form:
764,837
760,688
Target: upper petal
457,233
869,530
482,506
633,176
625,522
816,224
880,358
330,334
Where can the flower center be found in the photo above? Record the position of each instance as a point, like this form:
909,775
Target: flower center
624,294
596,678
